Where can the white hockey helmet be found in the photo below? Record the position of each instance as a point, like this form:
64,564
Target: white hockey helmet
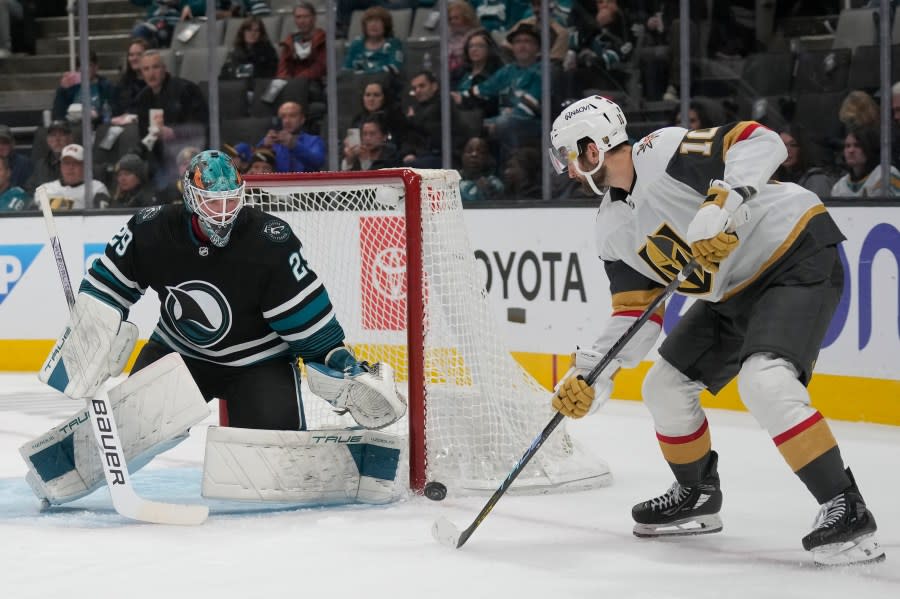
597,118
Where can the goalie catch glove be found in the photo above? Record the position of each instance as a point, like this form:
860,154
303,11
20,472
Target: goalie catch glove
367,392
711,232
574,397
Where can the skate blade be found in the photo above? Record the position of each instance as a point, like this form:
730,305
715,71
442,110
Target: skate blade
699,525
864,550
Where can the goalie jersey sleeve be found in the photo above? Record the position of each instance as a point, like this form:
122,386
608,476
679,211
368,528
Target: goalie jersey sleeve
253,300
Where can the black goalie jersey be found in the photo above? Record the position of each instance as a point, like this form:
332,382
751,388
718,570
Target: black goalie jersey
253,300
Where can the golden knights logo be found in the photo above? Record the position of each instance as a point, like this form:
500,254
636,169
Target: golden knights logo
666,253
647,142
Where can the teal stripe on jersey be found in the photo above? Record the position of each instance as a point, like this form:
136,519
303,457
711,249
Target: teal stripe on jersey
299,320
331,335
103,274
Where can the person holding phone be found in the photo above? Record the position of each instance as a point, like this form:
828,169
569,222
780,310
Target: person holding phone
373,148
295,150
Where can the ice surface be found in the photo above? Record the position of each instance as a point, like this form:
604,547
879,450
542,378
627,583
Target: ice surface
544,547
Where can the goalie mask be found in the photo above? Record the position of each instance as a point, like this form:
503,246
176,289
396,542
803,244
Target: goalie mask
593,119
214,191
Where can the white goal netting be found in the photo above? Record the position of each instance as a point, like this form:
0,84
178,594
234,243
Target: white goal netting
481,410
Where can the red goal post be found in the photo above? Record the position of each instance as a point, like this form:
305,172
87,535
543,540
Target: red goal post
392,250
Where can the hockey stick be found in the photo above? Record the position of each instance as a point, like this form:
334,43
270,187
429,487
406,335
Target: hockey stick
444,531
112,455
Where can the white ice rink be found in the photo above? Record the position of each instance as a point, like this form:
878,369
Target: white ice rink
554,546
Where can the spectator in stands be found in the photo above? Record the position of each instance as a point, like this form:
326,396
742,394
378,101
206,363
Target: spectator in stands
10,11
180,117
252,54
261,162
797,167
173,193
130,84
376,98
482,59
133,188
859,111
243,8
68,192
241,154
345,10
12,197
376,50
375,150
522,174
479,180
518,88
498,15
20,166
461,21
67,101
861,159
422,148
699,116
162,16
654,23
559,35
59,135
303,52
295,151
597,49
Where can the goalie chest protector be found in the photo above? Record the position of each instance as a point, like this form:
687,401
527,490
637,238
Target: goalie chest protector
224,305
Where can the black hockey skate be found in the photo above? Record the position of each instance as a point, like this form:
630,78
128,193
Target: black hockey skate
682,510
844,531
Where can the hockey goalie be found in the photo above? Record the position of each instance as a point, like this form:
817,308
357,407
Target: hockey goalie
238,306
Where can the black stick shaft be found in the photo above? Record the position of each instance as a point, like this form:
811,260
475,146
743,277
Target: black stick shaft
558,417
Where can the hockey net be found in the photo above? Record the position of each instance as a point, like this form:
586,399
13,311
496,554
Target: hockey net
391,248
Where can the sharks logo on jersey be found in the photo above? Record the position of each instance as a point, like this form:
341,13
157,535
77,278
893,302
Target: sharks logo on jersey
198,311
666,253
277,230
147,214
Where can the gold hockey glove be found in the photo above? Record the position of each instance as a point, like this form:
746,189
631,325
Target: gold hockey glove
574,397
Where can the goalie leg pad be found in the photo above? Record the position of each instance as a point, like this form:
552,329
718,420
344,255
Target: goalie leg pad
94,346
328,467
153,409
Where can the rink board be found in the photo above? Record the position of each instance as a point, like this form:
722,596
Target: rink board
548,290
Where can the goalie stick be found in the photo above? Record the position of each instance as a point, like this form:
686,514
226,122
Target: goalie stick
444,531
124,499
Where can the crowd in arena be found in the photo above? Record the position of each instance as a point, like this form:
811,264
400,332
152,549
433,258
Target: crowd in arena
154,115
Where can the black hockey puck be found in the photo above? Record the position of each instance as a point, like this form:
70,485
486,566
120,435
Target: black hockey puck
435,491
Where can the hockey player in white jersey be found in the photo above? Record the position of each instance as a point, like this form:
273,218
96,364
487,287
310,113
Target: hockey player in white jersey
769,284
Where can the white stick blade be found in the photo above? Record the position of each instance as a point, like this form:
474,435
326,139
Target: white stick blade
445,532
130,505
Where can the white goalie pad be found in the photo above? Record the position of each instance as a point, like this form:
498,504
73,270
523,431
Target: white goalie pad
94,346
370,396
314,468
154,409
